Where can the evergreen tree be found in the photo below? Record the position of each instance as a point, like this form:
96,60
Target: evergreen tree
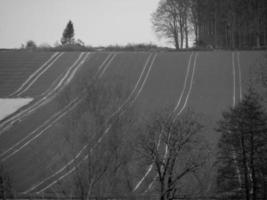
243,150
68,34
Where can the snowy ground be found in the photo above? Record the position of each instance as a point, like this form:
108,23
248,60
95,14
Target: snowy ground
9,106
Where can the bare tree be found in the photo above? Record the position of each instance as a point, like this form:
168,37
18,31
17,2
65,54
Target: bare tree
105,169
171,20
177,155
165,22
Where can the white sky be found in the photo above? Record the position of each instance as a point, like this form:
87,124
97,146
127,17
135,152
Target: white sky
96,22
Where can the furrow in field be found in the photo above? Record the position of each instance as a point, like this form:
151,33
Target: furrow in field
237,78
58,75
81,156
24,142
210,96
49,95
178,109
17,67
21,153
216,89
237,97
34,76
34,134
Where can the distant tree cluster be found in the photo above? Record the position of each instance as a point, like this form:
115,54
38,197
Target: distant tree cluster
230,24
134,47
213,23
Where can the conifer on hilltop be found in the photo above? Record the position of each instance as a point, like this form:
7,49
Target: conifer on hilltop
68,34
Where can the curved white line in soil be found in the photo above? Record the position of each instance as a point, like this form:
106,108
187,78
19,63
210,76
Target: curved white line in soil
135,87
72,74
38,75
234,95
234,79
103,66
240,77
190,89
106,67
151,184
234,100
185,81
34,74
145,80
98,141
17,147
174,110
47,124
61,76
57,172
178,114
44,100
106,131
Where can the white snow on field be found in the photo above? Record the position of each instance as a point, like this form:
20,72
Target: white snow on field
9,106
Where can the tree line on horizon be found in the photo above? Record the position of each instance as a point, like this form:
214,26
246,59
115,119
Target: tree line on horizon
228,24
68,42
213,23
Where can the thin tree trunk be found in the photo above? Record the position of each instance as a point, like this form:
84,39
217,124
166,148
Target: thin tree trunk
186,34
252,168
225,37
182,37
181,32
197,33
162,189
258,40
244,162
247,34
264,33
237,169
170,175
2,188
186,39
176,41
215,30
233,27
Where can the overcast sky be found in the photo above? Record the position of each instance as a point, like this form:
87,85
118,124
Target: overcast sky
96,22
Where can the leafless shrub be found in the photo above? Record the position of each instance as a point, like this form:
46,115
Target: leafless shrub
174,149
93,123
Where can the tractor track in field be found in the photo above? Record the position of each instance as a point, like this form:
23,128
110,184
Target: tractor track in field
146,181
37,132
36,75
177,111
237,97
82,155
63,80
237,78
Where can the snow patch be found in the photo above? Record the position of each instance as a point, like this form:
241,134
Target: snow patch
9,106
